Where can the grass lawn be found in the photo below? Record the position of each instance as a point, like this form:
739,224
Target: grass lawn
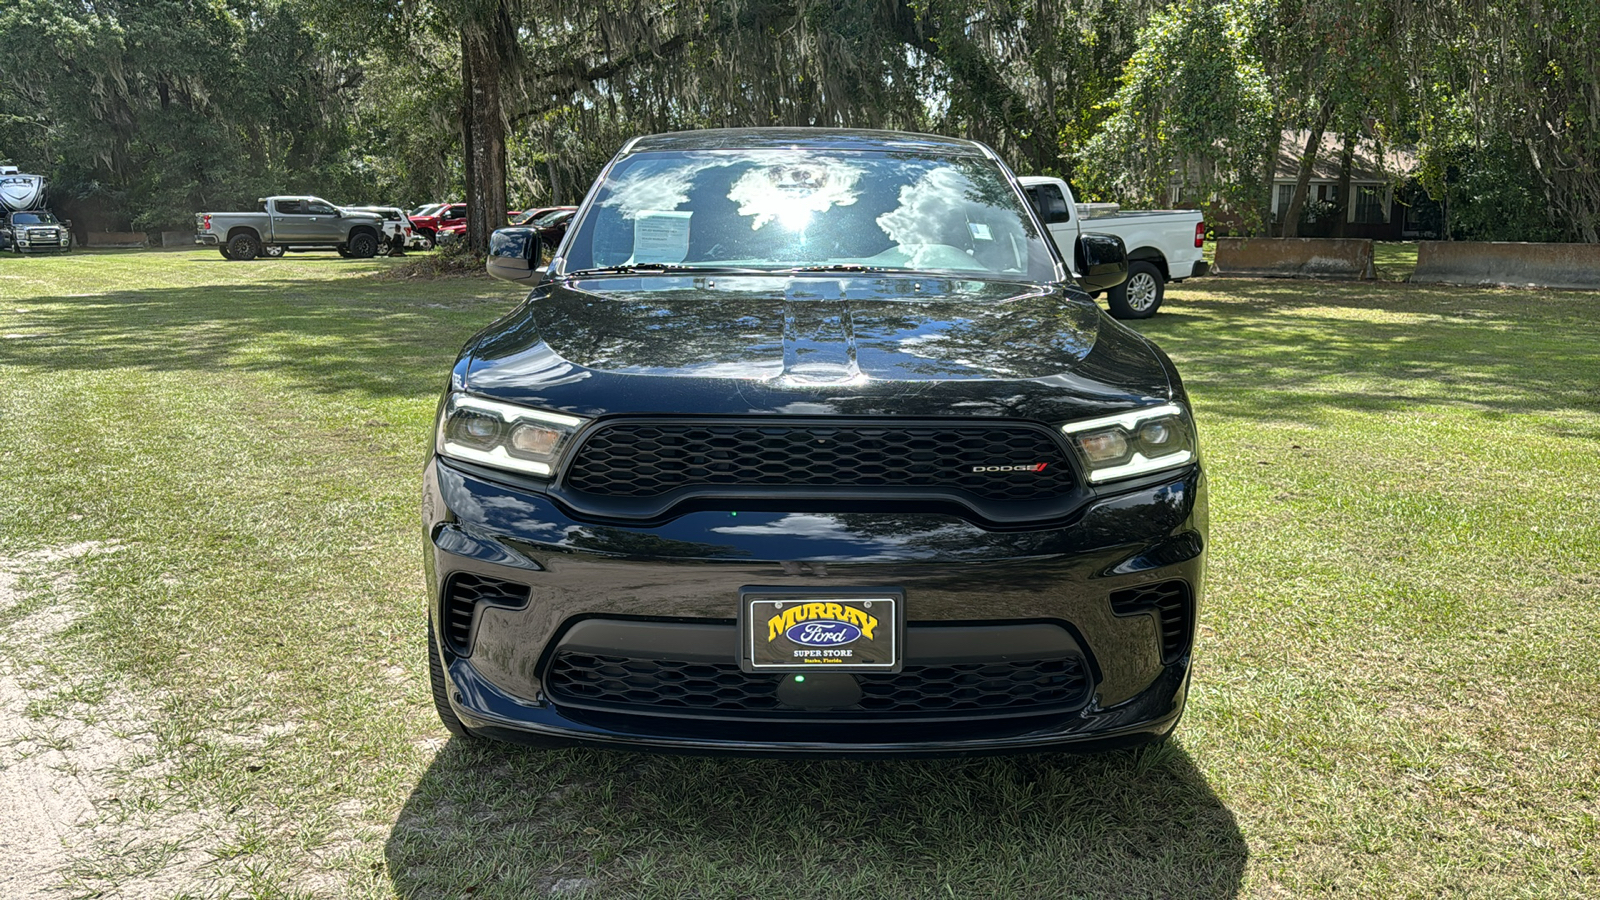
211,597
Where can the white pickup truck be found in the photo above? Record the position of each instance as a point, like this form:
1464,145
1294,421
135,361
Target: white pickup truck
1163,245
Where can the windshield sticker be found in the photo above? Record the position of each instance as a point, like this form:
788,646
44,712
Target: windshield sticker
980,231
792,193
660,236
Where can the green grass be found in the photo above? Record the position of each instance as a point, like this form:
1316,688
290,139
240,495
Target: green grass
1394,260
1395,694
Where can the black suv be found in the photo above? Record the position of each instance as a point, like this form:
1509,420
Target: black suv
34,231
805,441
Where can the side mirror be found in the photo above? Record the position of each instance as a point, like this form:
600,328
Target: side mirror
514,255
1101,261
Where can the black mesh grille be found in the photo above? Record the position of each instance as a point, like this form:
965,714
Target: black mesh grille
1173,607
463,593
668,687
648,459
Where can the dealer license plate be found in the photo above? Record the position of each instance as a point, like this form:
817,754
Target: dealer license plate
785,630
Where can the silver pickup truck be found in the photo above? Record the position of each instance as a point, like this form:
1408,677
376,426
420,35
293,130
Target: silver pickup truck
284,222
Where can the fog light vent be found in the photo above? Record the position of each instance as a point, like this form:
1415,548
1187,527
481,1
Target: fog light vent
1173,606
463,593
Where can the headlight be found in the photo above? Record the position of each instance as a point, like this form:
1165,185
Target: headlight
1133,443
503,435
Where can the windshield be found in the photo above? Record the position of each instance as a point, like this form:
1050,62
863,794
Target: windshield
784,209
33,218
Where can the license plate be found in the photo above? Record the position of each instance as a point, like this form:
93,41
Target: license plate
785,630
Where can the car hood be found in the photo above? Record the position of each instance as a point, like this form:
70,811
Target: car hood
808,344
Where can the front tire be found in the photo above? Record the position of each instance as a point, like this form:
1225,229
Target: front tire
431,238
441,696
363,246
244,247
1140,296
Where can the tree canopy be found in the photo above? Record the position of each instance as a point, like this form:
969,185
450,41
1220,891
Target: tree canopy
145,111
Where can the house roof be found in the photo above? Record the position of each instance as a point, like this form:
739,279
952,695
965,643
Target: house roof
1367,165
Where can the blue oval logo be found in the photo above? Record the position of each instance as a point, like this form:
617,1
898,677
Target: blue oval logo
822,633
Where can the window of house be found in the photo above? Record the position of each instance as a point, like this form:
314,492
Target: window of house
1285,197
1370,206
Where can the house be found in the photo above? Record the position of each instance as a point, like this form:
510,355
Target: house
1382,202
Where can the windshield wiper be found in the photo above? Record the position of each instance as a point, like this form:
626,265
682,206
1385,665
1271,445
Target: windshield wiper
628,268
840,267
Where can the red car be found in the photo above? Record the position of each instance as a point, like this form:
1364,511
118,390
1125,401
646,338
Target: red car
452,230
551,223
445,217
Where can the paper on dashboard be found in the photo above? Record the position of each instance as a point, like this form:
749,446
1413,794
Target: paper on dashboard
660,236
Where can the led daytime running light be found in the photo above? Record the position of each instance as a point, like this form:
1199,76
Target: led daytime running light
1128,421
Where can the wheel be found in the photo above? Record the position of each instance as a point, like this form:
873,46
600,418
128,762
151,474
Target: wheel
223,249
363,245
244,246
1140,296
431,238
343,251
441,698
273,251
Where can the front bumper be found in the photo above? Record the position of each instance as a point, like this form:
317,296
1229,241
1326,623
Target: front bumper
43,245
671,592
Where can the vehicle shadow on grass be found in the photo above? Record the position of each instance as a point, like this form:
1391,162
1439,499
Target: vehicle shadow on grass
489,820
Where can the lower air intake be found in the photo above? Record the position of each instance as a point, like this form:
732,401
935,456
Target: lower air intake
462,594
1173,606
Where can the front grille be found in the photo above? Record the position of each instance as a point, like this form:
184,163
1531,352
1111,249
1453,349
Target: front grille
1173,607
462,594
650,459
678,687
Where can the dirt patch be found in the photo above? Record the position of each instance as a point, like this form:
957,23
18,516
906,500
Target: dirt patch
46,795
64,738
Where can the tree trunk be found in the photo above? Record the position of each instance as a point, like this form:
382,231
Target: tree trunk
483,133
1347,158
1264,223
1302,182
